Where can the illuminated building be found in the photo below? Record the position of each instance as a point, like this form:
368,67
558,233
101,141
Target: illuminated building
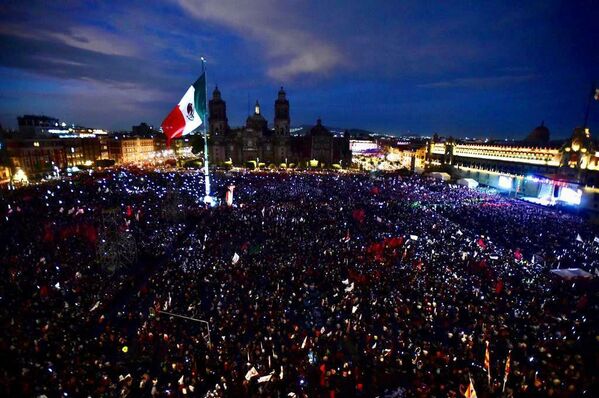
322,146
181,147
36,125
407,155
36,157
40,156
359,147
39,126
144,130
535,169
130,149
5,175
82,151
366,154
257,143
253,142
20,178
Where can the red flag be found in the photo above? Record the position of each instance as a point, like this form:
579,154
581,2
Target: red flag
582,302
323,372
90,233
396,242
499,286
359,215
418,264
481,243
518,254
48,233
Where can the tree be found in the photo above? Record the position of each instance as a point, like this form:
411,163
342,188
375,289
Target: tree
197,143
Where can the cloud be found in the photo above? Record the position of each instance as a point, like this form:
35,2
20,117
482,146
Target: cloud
80,62
293,50
479,82
113,105
61,60
96,40
82,37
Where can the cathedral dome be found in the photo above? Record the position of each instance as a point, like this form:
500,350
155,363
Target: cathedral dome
540,135
319,129
256,117
256,121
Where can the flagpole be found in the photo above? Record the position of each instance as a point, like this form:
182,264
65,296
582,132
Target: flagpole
207,198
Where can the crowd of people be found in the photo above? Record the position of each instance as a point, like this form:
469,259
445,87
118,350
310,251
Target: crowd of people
309,285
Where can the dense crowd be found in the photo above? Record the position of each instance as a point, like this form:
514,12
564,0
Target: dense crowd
315,285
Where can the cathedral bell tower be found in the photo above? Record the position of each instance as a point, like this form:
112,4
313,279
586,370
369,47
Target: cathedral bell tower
282,121
217,120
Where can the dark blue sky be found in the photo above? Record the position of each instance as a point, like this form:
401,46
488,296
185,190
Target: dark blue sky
467,68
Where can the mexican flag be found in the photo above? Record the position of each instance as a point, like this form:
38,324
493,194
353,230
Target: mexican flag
189,113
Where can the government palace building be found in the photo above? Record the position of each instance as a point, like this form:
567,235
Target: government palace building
536,168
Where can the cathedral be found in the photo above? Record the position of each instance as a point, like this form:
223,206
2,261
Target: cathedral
256,142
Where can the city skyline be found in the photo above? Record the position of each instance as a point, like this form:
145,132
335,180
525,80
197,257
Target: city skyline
453,69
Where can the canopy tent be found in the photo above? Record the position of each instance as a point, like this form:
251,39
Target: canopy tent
467,182
440,176
572,273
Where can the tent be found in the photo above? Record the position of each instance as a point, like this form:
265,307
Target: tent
440,176
467,182
572,273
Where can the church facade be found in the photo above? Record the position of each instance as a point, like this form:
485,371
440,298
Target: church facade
256,142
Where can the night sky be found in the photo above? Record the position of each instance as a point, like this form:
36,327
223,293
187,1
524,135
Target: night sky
454,68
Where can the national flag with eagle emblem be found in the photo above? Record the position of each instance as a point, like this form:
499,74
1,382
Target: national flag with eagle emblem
189,113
